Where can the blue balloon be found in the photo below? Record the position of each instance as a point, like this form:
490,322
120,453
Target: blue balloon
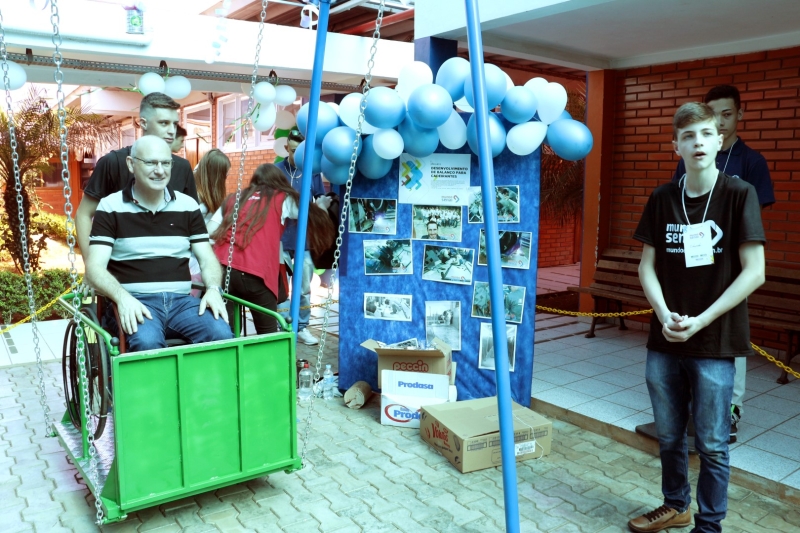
419,142
336,174
451,76
327,119
300,153
564,115
385,108
370,164
497,134
519,105
429,106
495,86
338,145
570,140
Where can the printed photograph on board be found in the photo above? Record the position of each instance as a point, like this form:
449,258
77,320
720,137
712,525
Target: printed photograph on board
436,223
507,201
443,320
387,306
373,215
448,264
390,256
408,343
515,249
486,353
513,301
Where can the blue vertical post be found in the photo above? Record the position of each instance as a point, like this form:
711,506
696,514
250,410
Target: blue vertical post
495,273
308,160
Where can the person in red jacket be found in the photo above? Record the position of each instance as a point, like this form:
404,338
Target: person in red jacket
264,207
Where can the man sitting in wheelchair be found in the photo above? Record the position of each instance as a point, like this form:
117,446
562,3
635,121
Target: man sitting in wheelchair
141,241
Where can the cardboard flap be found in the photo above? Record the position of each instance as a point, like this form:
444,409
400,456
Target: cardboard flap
479,417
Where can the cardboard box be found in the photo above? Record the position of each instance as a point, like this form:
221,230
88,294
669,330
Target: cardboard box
404,394
436,361
468,433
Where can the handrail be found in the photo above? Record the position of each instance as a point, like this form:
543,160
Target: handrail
263,310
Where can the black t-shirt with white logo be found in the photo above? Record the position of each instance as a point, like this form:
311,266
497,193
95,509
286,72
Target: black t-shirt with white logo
735,218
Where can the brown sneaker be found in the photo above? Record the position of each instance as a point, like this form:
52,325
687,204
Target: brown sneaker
659,519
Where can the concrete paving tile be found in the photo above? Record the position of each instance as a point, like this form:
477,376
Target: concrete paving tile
765,464
775,404
605,411
565,398
764,418
622,379
585,368
558,376
629,398
631,422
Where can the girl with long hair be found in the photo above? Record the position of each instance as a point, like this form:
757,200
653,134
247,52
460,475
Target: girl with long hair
264,206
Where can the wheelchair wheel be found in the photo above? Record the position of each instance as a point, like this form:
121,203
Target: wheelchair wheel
97,372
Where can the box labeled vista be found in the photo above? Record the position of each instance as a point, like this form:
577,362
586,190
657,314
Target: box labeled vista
468,433
404,393
437,360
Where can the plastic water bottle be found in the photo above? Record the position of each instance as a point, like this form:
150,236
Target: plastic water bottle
327,383
304,383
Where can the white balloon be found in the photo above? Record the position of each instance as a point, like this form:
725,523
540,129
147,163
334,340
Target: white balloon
388,143
552,102
279,147
285,95
177,87
264,92
266,117
285,120
349,109
16,77
151,82
463,105
535,84
412,76
453,133
525,138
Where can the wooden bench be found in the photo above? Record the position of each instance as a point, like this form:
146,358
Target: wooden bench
774,305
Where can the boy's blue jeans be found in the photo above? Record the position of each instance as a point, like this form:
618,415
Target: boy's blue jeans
704,385
175,316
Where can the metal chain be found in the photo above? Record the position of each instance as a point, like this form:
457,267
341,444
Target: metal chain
376,35
245,133
23,231
58,76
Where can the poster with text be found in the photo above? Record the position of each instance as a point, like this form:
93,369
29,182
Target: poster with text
438,179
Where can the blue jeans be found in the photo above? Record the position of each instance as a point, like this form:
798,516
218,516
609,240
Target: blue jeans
704,385
175,316
305,298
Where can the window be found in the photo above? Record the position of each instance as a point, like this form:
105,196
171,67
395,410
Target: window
197,121
127,136
230,111
52,176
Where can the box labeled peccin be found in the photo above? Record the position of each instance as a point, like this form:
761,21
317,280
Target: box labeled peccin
468,433
437,360
404,394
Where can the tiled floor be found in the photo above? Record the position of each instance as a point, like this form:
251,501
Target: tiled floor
557,279
603,378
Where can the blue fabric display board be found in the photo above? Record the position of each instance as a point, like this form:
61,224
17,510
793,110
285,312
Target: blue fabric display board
356,363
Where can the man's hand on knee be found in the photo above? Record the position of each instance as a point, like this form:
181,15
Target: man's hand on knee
212,300
131,313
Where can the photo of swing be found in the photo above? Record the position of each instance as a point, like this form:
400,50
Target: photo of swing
443,320
447,264
507,201
391,256
436,223
373,215
513,302
486,354
388,306
515,249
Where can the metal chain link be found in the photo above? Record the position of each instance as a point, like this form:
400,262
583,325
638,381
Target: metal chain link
58,76
245,133
376,35
755,347
23,231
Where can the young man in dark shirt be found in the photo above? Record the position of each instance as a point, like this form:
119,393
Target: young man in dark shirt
737,160
703,254
158,116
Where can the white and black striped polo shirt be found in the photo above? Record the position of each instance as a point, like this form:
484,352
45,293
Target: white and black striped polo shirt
150,251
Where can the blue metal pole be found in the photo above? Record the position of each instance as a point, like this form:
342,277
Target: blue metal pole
495,273
308,161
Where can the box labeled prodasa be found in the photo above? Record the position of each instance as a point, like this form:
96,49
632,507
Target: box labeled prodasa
404,393
437,360
468,433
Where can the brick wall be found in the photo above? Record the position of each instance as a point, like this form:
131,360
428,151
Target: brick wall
254,158
646,99
556,243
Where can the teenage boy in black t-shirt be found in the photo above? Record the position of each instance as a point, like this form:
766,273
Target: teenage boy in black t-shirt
737,160
703,254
